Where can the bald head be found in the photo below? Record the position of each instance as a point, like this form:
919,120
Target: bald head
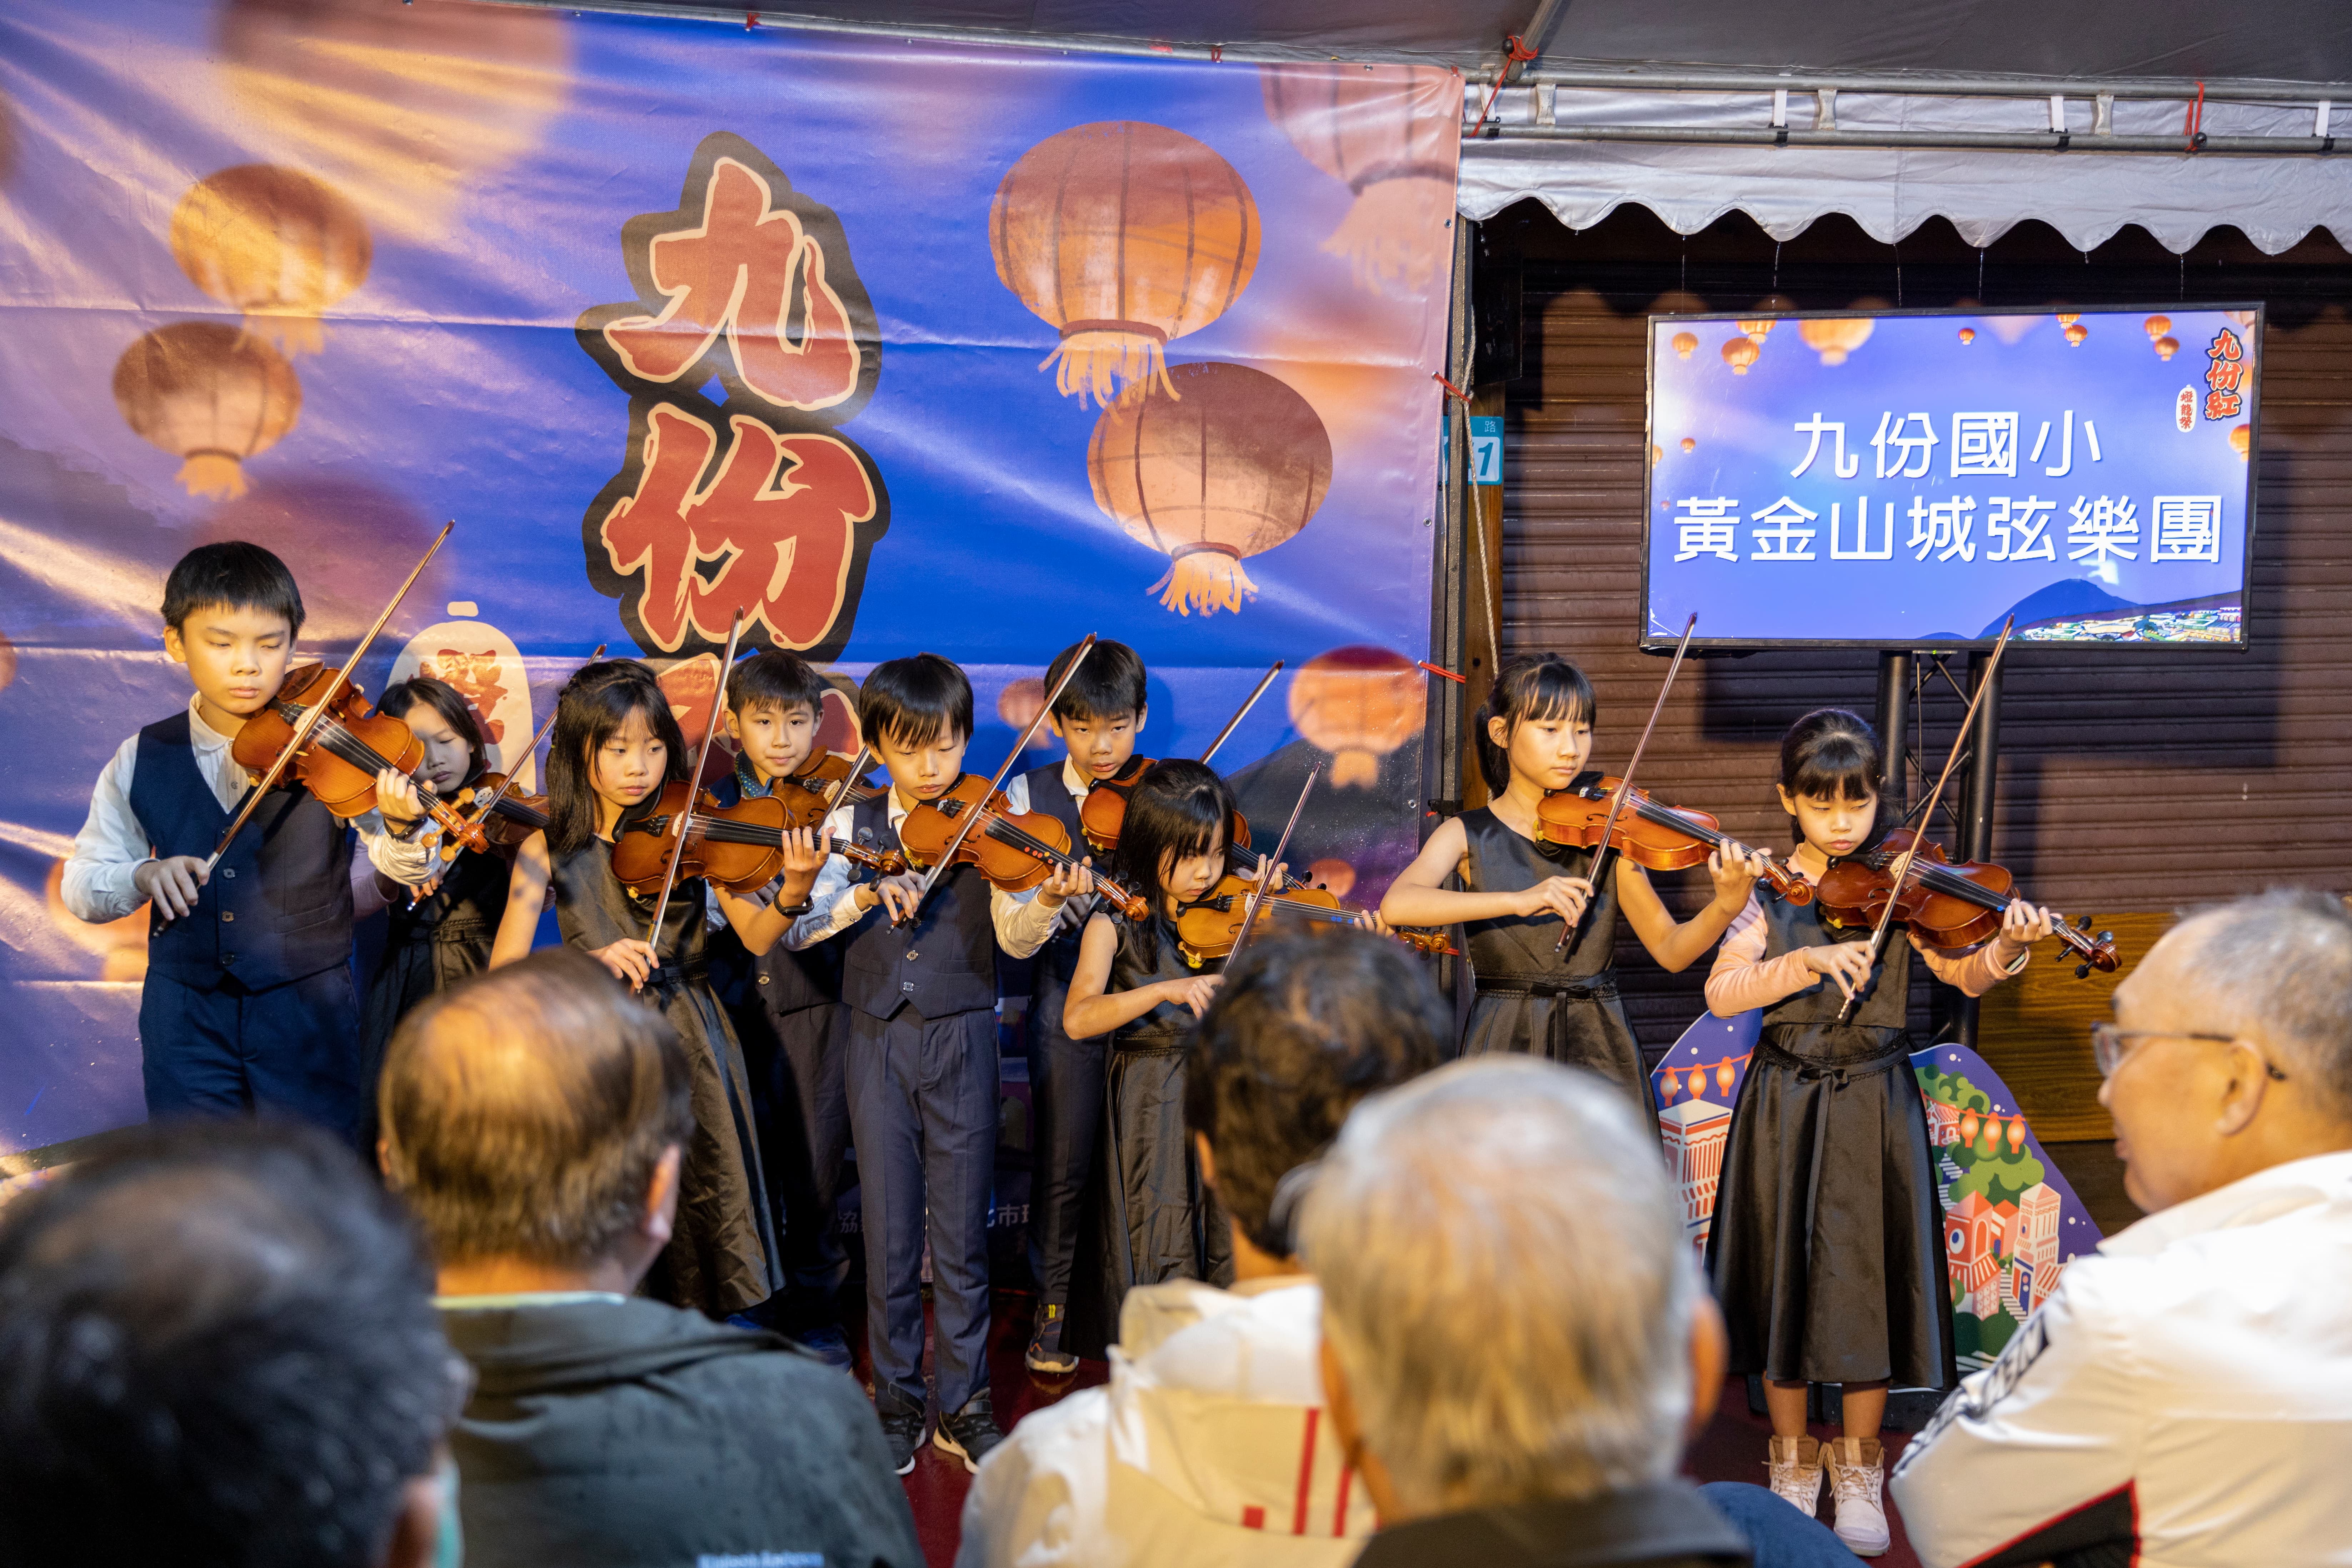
525,1112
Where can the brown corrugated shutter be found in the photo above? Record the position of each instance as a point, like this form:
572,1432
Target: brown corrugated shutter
2128,782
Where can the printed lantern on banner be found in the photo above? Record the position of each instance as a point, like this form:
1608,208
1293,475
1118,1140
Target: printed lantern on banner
1968,336
1121,235
1835,338
1685,344
2241,441
276,243
210,395
1018,703
2157,327
2076,333
1758,328
2167,346
1346,122
1739,354
1359,704
1230,465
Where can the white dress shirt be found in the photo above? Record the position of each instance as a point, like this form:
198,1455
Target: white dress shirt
1021,923
1074,911
2186,1394
112,845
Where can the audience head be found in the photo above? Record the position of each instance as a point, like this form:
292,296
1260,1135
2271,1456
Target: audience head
2234,1047
218,1348
1511,1313
533,1118
1301,1030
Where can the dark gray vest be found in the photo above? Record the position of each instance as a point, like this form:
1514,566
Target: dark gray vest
1805,1024
1049,795
941,962
279,906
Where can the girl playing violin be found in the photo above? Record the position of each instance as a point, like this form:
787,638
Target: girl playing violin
1826,1248
1533,735
615,744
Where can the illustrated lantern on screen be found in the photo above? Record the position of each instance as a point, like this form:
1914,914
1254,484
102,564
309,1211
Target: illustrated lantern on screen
1122,236
2166,347
1758,328
1739,354
1685,344
2156,326
274,243
209,394
1689,445
1230,465
1837,337
1346,122
2241,440
1656,452
1359,704
8,662
2068,317
2076,333
1968,336
1335,877
1018,703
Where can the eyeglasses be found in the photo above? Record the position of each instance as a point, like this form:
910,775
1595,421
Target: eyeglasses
2107,1045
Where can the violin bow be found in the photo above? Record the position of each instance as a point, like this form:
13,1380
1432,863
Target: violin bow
694,784
971,818
1265,878
841,791
317,710
1243,712
1903,866
1625,784
449,851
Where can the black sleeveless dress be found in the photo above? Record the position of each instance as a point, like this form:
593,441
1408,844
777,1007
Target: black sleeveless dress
1151,1219
1532,997
1826,1251
431,947
723,1256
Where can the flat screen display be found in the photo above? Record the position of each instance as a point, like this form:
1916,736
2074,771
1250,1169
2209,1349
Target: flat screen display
1915,478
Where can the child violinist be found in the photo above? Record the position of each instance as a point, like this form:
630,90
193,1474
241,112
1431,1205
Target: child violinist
1533,735
1826,1249
481,909
247,1003
616,743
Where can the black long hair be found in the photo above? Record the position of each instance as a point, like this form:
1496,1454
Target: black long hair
596,702
1179,808
1527,686
1834,755
450,703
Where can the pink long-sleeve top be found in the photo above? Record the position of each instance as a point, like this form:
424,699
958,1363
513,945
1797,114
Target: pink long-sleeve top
1743,978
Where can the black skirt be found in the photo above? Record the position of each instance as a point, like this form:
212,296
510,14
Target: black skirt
1825,1251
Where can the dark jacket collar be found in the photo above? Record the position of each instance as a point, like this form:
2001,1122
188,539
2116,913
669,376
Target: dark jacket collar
572,1347
1664,1525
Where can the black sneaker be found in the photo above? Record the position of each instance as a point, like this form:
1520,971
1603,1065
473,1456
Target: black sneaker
1046,1355
902,1430
970,1432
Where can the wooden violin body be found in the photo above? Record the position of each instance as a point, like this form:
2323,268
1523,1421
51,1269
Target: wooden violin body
1016,850
338,775
517,816
740,848
1943,904
1654,836
1208,927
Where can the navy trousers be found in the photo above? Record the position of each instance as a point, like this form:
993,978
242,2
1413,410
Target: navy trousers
1065,1093
229,1050
801,1103
922,1112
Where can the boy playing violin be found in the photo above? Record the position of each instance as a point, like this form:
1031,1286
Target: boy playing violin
1097,717
248,1001
918,978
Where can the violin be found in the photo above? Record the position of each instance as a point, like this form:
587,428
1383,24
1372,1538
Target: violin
740,848
515,816
1208,926
1655,836
1104,812
1946,905
346,749
1016,850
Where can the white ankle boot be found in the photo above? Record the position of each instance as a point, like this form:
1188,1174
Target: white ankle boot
1796,1468
1856,1466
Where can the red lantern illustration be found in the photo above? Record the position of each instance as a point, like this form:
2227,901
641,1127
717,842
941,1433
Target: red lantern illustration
1668,1086
1739,354
2241,441
2157,327
2017,1134
1122,236
8,662
1232,465
276,243
1968,1125
1335,877
1723,1075
1684,344
2167,346
1836,337
1344,120
1359,704
1968,336
210,395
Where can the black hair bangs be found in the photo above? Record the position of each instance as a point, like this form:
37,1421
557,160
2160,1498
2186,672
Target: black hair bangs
1529,687
1177,809
1832,754
233,575
912,702
773,678
1108,685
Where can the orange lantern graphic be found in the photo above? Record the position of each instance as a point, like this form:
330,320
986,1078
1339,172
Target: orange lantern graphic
1344,120
1656,452
275,243
1739,354
2076,333
2241,440
2017,1136
8,662
1337,878
209,394
1359,703
2156,326
1758,328
1669,1086
2166,347
2068,317
1018,703
1121,236
1836,337
1230,465
1689,445
1685,344
1968,1126
1968,336
1723,1075
119,946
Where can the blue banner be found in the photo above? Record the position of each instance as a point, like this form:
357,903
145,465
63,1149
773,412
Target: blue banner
892,346
1915,479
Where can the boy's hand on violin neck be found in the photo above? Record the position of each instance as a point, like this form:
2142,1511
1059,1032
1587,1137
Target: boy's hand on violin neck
804,851
171,885
1563,896
629,960
1066,882
1848,964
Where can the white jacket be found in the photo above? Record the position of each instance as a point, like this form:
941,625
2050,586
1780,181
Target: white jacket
2186,1394
1209,1448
